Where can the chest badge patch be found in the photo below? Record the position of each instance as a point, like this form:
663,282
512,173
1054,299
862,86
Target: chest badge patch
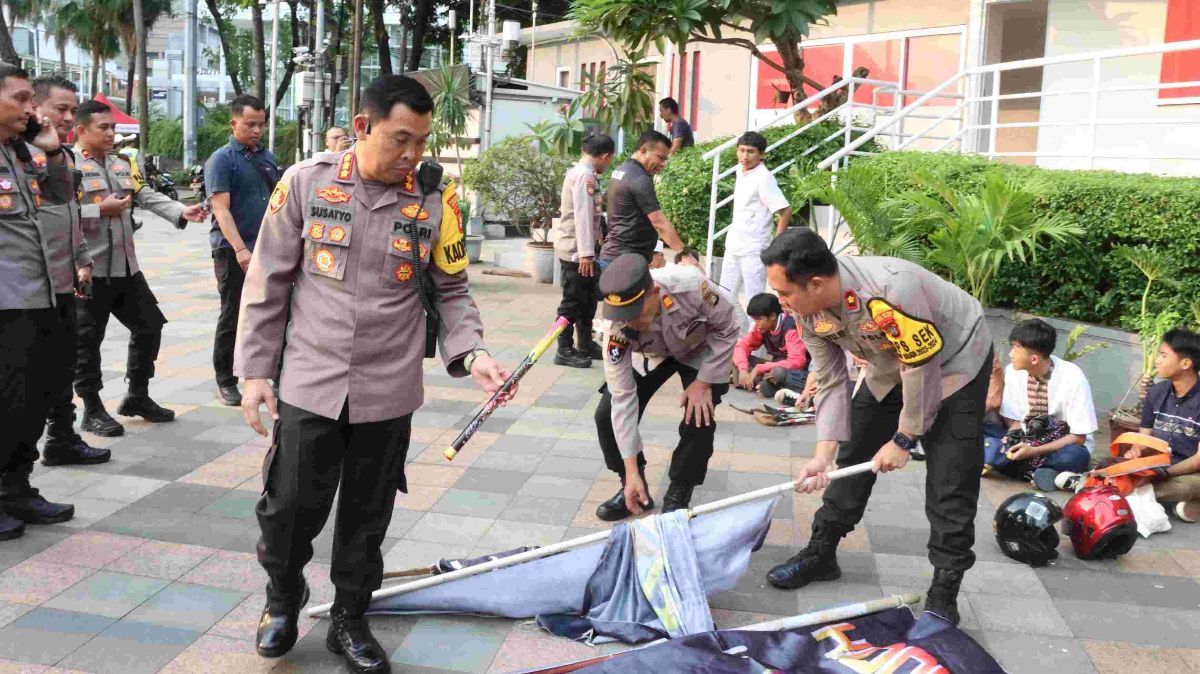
278,197
916,341
415,212
325,260
317,230
402,245
333,195
823,327
852,304
617,346
404,272
6,185
6,201
337,234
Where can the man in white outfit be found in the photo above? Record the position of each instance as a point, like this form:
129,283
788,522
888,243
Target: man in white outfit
756,197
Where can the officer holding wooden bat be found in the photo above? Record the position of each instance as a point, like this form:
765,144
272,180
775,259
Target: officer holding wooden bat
363,246
676,313
930,356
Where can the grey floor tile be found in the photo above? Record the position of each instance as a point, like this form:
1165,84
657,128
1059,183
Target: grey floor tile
456,529
549,486
183,496
129,647
472,503
173,526
44,635
457,644
1026,615
899,541
107,594
1022,653
238,504
752,592
540,510
571,467
1122,588
512,461
1147,625
491,480
35,540
164,468
513,442
187,607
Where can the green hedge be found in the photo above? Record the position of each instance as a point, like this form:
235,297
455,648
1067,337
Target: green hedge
684,185
166,137
1085,281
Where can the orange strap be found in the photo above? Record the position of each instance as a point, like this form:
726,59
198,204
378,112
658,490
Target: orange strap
1139,440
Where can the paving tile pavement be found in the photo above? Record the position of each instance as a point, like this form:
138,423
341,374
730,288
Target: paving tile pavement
157,572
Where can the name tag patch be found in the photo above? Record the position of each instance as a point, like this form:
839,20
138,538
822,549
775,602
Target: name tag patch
915,340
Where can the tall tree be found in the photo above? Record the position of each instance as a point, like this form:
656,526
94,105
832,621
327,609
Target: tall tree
8,52
422,17
93,25
289,67
741,23
140,25
259,74
381,37
226,32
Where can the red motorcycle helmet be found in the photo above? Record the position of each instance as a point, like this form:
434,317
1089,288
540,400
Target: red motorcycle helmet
1099,523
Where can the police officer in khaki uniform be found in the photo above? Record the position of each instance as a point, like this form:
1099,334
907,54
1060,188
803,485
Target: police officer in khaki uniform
929,355
71,271
108,192
675,313
351,243
32,176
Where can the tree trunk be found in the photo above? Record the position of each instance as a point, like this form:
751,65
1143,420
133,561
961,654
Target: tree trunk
62,54
7,51
224,33
259,67
420,25
381,37
335,50
139,23
129,75
95,83
289,68
793,69
403,38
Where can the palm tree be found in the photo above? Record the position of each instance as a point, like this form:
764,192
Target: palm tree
972,235
24,11
94,25
7,51
451,89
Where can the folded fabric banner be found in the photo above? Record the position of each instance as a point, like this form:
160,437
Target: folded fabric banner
721,543
889,642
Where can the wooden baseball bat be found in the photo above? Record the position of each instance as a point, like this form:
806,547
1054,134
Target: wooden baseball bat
494,402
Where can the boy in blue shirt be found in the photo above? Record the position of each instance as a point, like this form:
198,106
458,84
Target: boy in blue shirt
1171,412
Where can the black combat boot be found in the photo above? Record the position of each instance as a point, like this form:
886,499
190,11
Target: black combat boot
678,497
350,636
30,507
10,527
65,447
137,403
587,346
942,597
567,355
97,420
817,561
277,627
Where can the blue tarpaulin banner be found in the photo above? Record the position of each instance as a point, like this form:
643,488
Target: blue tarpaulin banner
888,642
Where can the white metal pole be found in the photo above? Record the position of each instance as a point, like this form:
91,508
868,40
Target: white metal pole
453,21
844,612
274,77
490,54
190,51
532,46
471,19
1095,113
316,119
574,543
993,131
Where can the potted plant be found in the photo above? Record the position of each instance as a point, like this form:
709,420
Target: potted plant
514,178
1150,328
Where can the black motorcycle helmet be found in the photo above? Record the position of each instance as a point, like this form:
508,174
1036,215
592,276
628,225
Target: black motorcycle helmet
1025,528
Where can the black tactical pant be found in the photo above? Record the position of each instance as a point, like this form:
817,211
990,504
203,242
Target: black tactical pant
59,371
689,462
131,301
954,460
26,360
579,294
309,458
230,279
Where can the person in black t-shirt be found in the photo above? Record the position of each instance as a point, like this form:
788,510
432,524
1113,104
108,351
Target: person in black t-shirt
635,220
678,127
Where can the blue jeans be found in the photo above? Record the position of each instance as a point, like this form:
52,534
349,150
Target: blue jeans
1072,458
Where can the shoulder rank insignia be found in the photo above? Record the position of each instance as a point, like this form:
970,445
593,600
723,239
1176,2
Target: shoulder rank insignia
346,168
668,302
278,197
852,304
916,340
710,296
617,346
410,183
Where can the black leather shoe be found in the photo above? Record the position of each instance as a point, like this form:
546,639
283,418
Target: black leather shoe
98,421
136,405
614,508
816,562
678,497
942,597
73,452
350,636
10,527
229,395
590,349
34,509
277,627
569,357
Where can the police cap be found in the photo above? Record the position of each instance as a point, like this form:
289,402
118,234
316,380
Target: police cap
624,285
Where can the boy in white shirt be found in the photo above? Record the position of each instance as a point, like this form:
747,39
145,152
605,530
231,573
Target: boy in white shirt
1037,384
756,198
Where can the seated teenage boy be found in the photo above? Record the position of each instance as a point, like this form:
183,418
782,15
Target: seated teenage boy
786,365
1172,412
1038,384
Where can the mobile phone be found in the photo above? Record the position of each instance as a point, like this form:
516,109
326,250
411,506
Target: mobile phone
32,129
84,288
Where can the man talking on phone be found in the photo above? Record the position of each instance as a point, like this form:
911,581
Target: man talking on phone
239,178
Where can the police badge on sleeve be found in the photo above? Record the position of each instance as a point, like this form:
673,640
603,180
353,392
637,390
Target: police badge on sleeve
617,346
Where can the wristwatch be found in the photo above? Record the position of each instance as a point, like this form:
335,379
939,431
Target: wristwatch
469,359
904,442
